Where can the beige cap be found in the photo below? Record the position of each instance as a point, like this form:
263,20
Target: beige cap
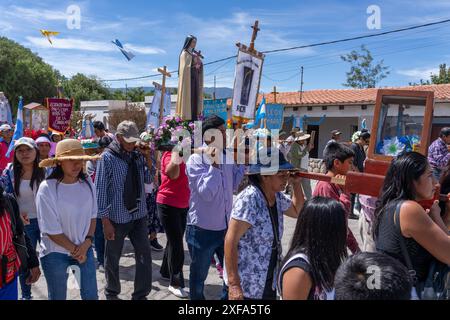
129,131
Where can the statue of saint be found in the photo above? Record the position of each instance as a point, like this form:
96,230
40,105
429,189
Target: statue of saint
5,110
190,81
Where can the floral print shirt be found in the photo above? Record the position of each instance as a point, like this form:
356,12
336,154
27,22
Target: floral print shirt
255,246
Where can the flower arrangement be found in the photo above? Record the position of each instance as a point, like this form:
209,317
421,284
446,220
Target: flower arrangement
172,131
392,147
34,134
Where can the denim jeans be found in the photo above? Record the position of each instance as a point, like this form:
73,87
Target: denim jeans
10,291
33,232
99,242
202,244
56,271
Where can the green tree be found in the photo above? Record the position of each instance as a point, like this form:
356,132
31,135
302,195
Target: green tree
364,72
442,77
118,95
136,94
84,88
24,73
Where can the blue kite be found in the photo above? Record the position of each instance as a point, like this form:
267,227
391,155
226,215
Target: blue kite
127,54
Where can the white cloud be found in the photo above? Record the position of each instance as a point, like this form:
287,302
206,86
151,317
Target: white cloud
70,43
87,45
36,14
418,73
5,27
144,50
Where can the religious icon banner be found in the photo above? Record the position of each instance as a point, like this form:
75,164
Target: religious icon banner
153,113
246,86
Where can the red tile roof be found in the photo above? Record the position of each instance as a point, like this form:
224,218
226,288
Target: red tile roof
347,96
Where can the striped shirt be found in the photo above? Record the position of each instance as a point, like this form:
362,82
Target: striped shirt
109,182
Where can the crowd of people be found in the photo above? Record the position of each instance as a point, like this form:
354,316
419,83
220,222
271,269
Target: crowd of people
78,208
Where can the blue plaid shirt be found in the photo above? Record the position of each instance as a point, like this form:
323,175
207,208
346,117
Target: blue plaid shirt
109,182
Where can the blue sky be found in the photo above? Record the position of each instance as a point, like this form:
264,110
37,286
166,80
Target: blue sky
155,32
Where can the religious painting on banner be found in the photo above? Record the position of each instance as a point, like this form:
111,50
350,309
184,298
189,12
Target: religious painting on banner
215,107
59,113
246,85
153,112
274,116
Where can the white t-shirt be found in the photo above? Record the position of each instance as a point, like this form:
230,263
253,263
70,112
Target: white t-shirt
304,163
26,200
65,209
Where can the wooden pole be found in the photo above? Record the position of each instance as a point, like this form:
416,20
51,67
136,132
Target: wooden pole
301,86
165,74
255,33
274,94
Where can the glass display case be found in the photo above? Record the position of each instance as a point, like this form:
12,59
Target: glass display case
402,123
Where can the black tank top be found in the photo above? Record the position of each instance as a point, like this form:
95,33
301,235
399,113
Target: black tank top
388,242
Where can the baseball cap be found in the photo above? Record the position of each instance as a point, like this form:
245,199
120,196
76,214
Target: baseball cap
336,132
5,127
25,141
43,139
129,131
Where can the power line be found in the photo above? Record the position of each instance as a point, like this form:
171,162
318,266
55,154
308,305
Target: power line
299,47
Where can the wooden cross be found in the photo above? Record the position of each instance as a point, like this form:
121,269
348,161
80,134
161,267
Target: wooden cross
58,90
255,33
165,74
274,94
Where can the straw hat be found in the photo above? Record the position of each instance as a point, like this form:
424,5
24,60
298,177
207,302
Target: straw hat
69,149
300,136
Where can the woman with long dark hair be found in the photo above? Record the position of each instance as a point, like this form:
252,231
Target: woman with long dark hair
318,247
67,211
22,178
400,219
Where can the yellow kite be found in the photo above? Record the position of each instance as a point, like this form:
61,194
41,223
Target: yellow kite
48,34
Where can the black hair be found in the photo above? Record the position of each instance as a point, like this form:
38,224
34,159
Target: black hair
321,234
445,132
212,122
98,125
45,135
445,189
188,41
398,183
336,150
37,176
58,175
372,276
104,141
364,135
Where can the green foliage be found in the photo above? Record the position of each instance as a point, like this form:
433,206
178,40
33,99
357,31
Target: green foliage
364,73
23,73
443,76
84,88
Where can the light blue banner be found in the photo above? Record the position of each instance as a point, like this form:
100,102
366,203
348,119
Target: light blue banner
215,107
274,116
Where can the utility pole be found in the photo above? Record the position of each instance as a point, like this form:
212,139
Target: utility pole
214,93
301,85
